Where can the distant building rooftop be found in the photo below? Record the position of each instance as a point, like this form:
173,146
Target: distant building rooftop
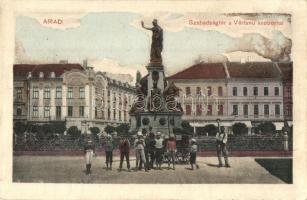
35,69
202,71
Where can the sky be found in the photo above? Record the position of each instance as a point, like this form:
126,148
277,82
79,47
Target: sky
116,43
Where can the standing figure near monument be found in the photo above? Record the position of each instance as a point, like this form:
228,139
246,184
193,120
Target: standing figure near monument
109,151
193,152
89,151
124,148
157,42
147,150
171,151
221,141
159,150
152,143
139,145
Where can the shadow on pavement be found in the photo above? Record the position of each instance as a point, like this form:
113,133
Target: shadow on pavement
279,167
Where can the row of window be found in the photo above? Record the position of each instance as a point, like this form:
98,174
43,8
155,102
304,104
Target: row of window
200,92
70,112
58,111
199,109
266,109
234,91
58,92
255,91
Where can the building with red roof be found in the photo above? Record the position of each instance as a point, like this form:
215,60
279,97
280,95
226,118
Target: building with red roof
246,92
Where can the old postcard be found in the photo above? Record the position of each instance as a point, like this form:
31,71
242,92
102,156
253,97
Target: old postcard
153,100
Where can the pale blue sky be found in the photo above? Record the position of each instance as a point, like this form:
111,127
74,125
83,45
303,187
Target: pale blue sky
110,35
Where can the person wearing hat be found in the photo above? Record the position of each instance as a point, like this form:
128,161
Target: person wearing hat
171,151
159,150
109,151
89,151
221,141
139,145
193,151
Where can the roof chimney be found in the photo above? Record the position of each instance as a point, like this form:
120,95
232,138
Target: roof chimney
52,75
85,63
63,61
30,75
242,60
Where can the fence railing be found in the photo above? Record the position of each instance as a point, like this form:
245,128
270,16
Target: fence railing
235,143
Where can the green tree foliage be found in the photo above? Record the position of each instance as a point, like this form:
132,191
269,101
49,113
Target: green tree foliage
94,132
109,129
122,129
266,128
239,128
19,128
74,132
59,128
211,129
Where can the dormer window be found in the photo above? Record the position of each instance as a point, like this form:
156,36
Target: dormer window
52,75
41,75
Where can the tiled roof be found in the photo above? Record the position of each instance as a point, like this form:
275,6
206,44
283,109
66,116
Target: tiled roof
286,70
202,71
252,70
58,69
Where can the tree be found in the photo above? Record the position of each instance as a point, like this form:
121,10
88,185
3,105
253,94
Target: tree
211,129
59,128
74,132
239,128
122,129
138,76
95,131
47,131
266,128
109,129
19,128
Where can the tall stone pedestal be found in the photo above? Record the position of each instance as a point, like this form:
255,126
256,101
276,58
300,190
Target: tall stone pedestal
159,108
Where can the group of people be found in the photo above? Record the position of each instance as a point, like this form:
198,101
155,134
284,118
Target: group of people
150,148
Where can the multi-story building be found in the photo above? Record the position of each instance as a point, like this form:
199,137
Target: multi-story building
287,81
249,93
71,93
255,93
203,93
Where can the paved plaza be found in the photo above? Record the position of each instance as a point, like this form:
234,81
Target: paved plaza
70,169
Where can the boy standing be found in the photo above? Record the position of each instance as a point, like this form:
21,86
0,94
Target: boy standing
171,151
124,148
89,151
193,152
109,152
159,150
139,145
221,140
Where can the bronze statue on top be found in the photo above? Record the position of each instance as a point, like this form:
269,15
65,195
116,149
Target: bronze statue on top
157,42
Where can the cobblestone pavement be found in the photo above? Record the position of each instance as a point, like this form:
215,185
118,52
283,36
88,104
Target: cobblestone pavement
65,169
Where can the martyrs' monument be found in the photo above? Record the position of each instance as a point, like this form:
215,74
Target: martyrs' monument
156,104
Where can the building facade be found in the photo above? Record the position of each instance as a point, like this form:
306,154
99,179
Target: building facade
286,70
248,93
70,93
255,93
203,94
